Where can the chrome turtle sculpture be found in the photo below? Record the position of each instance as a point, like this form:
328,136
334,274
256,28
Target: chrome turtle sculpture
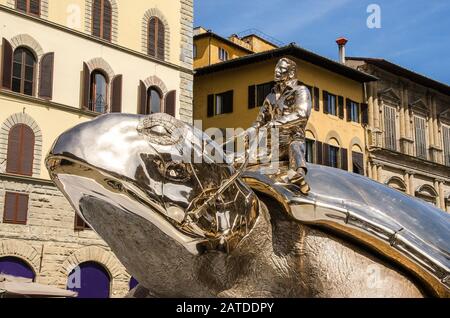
198,228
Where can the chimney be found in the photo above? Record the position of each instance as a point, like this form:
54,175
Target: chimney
341,42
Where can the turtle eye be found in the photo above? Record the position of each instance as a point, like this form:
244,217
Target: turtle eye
178,172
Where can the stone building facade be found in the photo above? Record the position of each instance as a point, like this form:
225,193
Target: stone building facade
56,61
408,136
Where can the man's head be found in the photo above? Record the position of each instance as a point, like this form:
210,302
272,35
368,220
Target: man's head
285,70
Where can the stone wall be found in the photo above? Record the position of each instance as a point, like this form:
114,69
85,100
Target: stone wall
49,243
186,60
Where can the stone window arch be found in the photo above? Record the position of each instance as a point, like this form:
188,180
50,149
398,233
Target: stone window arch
21,250
88,27
96,254
151,82
427,193
13,121
155,13
397,184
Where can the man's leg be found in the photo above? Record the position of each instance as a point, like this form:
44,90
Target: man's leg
297,165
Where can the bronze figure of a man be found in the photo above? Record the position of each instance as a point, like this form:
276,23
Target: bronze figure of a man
288,108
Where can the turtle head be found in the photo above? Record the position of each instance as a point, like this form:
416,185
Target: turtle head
151,181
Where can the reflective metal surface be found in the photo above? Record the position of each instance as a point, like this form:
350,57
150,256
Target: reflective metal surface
139,164
409,231
127,176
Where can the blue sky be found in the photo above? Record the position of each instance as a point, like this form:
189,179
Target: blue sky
413,33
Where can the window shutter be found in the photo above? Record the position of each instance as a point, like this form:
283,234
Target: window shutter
7,60
142,98
107,20
341,107
210,111
10,208
251,96
86,86
13,154
21,5
46,76
16,208
319,148
365,114
22,209
326,155
349,109
316,99
35,7
170,103
27,151
325,102
344,159
228,102
152,23
161,40
116,100
96,17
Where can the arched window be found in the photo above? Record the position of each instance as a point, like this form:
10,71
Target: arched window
29,6
428,194
154,100
24,70
90,280
102,19
156,38
20,155
397,184
16,267
98,101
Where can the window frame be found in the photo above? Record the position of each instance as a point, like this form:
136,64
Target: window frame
28,8
355,106
313,148
92,89
157,55
223,54
20,171
446,143
16,211
23,67
393,128
101,22
83,227
338,156
421,146
330,97
148,102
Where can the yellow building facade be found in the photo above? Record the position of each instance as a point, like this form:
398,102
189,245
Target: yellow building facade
63,63
335,132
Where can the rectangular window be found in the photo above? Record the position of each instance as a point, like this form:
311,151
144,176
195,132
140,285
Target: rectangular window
223,54
333,159
446,137
390,135
332,106
220,104
262,91
420,134
16,208
358,163
257,94
354,112
80,225
194,51
309,151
